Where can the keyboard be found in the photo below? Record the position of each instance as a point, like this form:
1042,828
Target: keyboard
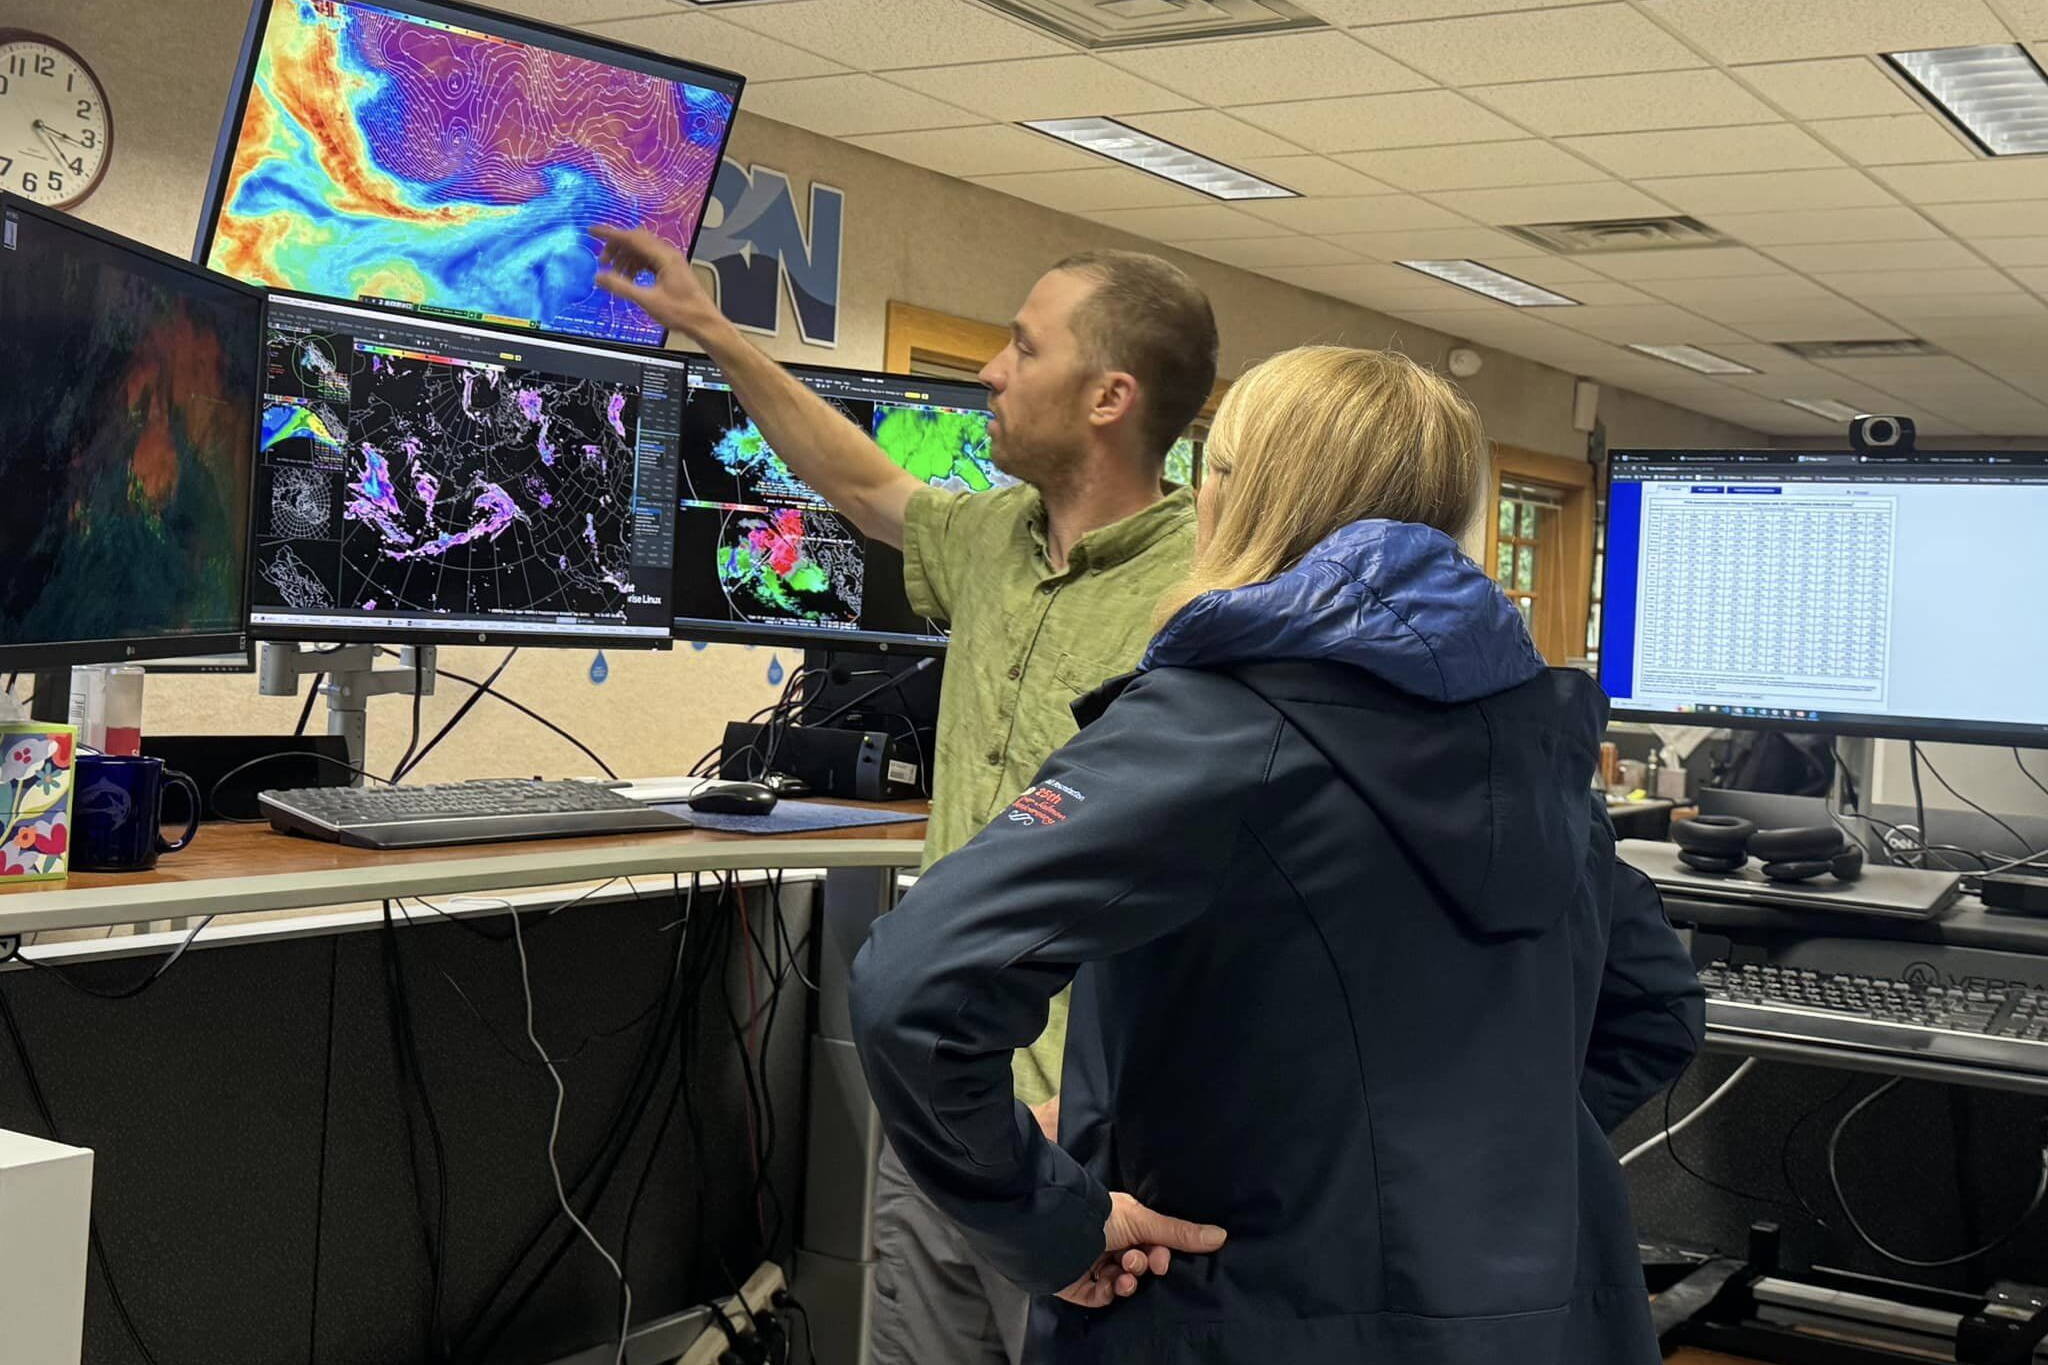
1983,1024
460,813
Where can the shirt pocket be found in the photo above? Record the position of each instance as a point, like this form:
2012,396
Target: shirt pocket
1049,717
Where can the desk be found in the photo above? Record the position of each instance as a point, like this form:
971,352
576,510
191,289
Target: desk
242,869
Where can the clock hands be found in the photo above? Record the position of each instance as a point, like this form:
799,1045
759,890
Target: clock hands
49,131
52,137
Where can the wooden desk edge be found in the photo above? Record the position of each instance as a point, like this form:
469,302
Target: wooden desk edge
486,868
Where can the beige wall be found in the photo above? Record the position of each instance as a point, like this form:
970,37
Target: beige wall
910,235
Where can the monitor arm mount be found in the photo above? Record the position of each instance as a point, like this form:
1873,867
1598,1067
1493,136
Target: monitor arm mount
352,679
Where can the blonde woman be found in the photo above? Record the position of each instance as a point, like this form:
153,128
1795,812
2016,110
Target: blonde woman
1358,984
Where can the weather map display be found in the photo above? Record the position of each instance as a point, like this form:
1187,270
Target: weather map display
127,427
420,477
759,554
454,159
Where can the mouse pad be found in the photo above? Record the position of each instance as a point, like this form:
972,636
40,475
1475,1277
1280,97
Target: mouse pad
790,817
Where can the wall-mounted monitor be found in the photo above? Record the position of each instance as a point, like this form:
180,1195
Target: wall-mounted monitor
453,159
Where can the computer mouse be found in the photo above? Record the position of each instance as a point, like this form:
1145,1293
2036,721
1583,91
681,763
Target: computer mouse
735,798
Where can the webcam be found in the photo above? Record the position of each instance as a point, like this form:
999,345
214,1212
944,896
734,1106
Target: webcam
1872,434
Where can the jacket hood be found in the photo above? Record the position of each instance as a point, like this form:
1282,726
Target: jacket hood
1398,600
1477,762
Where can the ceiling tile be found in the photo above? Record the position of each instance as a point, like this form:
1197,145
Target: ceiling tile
1691,263
1775,30
1111,187
1872,284
1313,175
1195,223
1512,254
1911,309
1369,213
2016,250
1545,269
1769,359
1893,139
1426,295
2026,18
1842,87
701,38
581,13
1620,104
1766,191
1300,66
1041,87
1706,151
1599,293
2008,218
839,106
1396,11
1812,313
883,35
1653,324
1551,204
1213,134
1800,227
987,150
1780,290
1973,182
1263,253
1534,45
1423,118
2033,277
1390,284
1851,256
1484,165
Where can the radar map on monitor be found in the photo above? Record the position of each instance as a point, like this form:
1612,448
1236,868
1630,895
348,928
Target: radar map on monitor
759,553
455,160
417,476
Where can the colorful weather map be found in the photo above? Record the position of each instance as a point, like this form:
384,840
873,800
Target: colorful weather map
792,565
944,447
442,486
382,154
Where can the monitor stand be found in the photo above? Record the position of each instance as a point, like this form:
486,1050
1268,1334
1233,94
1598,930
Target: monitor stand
352,679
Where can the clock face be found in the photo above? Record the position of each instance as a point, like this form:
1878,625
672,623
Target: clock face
55,131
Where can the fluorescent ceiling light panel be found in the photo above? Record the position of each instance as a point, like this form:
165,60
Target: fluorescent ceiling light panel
1693,358
1484,279
1156,156
1826,407
1997,95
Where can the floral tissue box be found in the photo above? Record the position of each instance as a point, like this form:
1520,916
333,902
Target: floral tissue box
35,800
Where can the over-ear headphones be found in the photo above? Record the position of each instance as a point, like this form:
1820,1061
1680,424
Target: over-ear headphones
1726,843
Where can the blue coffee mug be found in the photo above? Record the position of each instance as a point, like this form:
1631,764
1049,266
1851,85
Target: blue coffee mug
118,813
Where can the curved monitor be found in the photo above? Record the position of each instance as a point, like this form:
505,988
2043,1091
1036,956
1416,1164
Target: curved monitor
454,159
1828,590
127,428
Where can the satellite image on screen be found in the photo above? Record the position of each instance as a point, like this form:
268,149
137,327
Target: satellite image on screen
383,155
124,443
442,486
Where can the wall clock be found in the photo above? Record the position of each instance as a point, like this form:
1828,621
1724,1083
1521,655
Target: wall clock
56,131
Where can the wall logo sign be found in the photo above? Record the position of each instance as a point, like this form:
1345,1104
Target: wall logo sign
759,247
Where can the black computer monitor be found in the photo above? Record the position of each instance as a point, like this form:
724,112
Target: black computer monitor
761,557
454,159
128,396
1833,591
432,481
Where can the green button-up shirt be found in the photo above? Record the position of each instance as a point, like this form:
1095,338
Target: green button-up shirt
1027,639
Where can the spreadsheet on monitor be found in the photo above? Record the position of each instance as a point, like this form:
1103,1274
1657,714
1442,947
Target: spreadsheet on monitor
1827,587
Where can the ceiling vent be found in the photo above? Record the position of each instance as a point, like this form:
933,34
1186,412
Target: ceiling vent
1103,24
1619,234
1861,350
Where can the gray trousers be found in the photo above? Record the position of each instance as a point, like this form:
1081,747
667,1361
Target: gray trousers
936,1301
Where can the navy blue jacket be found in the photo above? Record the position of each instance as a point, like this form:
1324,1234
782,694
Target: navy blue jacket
1356,976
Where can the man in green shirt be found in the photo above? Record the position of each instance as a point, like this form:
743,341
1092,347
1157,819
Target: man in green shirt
1048,588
